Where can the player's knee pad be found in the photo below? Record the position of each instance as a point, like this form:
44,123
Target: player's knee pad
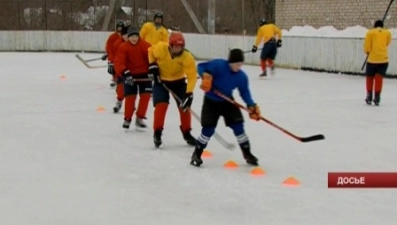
238,128
145,87
160,94
119,80
208,131
130,90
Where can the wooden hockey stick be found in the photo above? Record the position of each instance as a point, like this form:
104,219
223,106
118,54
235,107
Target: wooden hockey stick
218,137
301,139
87,65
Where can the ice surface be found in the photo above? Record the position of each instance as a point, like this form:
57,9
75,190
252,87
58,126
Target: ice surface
64,163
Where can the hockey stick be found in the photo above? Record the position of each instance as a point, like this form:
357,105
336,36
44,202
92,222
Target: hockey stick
218,137
87,65
383,20
301,139
95,59
247,51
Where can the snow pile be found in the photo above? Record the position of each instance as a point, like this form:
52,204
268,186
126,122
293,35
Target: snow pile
330,31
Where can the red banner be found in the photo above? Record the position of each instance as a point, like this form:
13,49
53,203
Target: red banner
362,180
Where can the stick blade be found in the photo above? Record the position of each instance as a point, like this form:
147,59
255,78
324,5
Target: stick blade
317,137
86,64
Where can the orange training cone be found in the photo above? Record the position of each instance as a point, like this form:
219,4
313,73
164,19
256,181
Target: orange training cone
206,154
62,77
291,182
257,171
100,109
230,165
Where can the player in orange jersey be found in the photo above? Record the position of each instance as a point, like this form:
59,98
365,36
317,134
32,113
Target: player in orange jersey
108,48
132,63
119,79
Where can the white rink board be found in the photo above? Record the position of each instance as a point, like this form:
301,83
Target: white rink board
62,162
322,53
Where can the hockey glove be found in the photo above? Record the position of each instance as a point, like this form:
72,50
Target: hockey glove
104,57
279,43
110,68
254,49
154,72
186,102
128,79
206,82
254,112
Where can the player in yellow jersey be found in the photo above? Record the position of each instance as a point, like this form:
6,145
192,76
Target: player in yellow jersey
376,43
154,32
169,67
270,35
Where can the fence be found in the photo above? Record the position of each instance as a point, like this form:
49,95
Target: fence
232,16
328,54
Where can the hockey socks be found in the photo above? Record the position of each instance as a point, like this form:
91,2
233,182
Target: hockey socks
120,91
160,111
129,106
242,139
143,104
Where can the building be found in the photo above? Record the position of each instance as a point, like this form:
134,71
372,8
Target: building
337,13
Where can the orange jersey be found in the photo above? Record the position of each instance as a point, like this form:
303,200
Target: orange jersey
116,46
109,45
134,58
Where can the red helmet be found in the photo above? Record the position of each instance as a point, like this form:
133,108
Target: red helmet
176,38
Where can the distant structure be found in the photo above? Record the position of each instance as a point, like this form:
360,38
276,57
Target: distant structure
340,14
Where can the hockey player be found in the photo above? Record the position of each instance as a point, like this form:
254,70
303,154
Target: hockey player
225,76
154,32
118,78
169,64
376,43
270,34
132,61
109,55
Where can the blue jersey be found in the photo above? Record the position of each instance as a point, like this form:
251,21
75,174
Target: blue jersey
225,80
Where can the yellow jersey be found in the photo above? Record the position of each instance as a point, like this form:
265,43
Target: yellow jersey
152,34
266,33
171,69
376,42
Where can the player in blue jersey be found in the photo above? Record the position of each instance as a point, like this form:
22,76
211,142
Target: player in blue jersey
224,76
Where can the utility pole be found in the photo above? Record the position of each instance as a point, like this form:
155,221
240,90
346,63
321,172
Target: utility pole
211,16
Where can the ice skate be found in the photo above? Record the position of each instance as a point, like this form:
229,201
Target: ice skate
377,99
248,156
190,140
126,123
271,69
117,108
139,123
196,157
157,138
263,74
368,99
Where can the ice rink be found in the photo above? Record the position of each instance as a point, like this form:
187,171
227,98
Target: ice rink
63,162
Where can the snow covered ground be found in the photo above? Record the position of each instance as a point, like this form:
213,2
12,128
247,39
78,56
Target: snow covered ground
330,31
62,162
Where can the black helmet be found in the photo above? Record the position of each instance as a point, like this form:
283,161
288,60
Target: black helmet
120,24
262,22
124,30
158,15
378,23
